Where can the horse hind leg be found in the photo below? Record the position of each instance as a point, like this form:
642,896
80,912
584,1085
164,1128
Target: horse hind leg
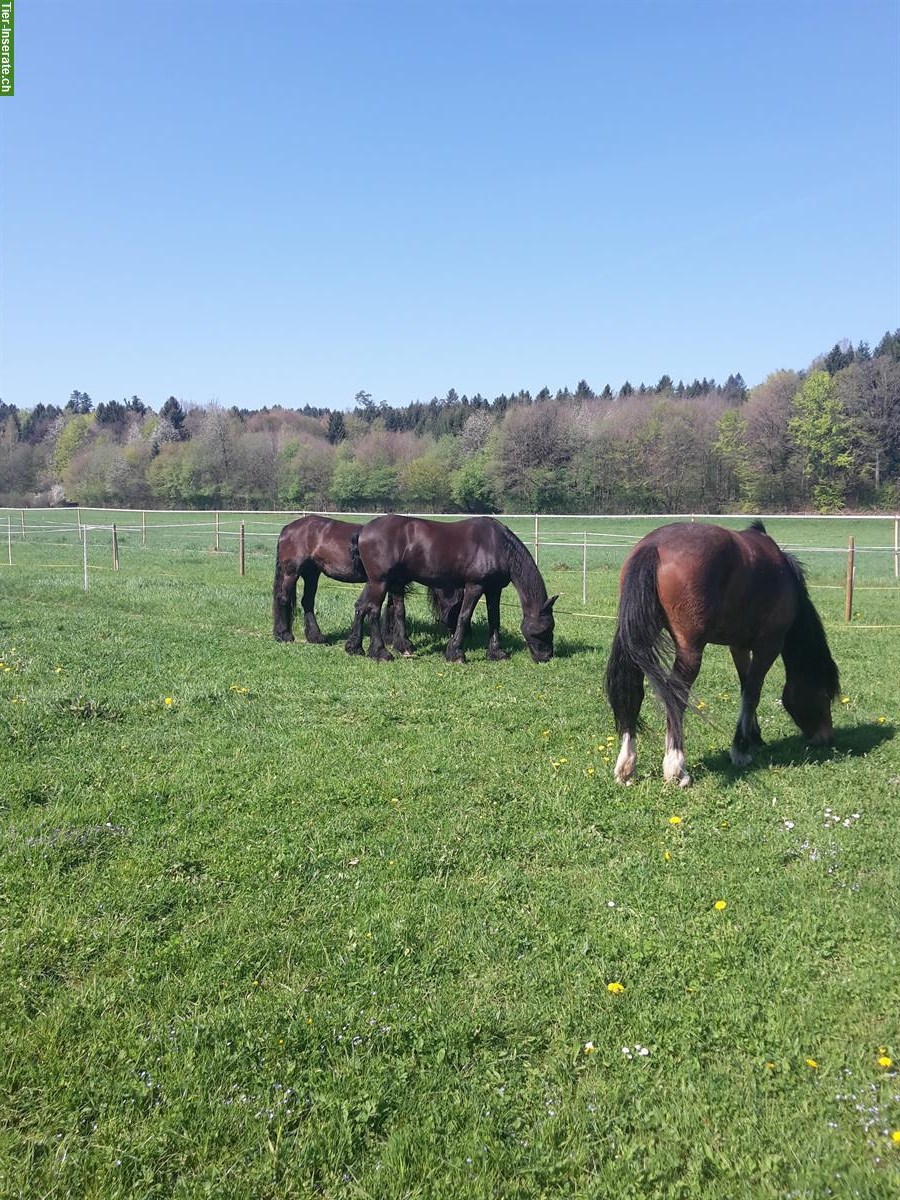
625,692
311,629
371,602
284,600
684,672
395,624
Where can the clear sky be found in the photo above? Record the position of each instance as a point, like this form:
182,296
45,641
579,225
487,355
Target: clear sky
265,202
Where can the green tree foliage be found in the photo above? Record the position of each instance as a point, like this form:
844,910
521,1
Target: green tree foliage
733,454
829,438
821,429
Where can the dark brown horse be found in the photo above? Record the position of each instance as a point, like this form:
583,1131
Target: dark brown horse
689,585
313,546
479,555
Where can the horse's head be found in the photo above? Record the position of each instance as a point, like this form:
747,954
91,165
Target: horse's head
809,707
537,629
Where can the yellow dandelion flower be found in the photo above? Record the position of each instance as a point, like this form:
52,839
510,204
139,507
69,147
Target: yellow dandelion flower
667,856
169,701
770,1066
590,1048
885,1061
895,1137
674,820
845,699
720,905
882,720
812,1064
701,704
615,988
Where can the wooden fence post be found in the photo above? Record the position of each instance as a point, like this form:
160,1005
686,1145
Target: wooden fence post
84,554
241,549
143,529
584,573
536,538
217,532
9,538
115,547
22,515
897,547
851,567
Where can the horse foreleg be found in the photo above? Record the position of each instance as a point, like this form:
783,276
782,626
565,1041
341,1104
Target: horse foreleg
684,672
747,732
471,596
310,575
494,650
353,644
748,725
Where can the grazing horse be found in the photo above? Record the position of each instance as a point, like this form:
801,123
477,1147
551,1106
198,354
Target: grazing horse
685,585
313,546
479,555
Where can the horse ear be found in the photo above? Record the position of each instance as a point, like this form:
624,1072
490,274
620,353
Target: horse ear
548,607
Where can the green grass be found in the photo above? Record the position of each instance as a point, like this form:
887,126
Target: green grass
325,927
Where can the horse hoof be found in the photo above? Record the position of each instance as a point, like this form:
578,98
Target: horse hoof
497,655
383,656
740,758
685,781
353,649
284,637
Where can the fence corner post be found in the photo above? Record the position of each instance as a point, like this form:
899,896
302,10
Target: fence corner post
241,560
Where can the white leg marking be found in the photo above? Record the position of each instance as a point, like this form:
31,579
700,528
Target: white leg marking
625,763
673,768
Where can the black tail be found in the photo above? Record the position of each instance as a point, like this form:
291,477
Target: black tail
805,647
284,602
354,556
640,640
445,606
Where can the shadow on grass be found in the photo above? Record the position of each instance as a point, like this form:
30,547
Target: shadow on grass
793,751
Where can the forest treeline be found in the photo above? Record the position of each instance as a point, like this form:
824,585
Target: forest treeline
825,438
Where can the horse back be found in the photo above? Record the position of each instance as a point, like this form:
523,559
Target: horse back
721,586
436,553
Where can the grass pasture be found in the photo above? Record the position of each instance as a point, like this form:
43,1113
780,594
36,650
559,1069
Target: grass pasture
278,922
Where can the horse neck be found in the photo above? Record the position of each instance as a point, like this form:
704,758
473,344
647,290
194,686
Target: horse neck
525,576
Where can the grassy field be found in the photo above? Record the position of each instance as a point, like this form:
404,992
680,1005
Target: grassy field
277,922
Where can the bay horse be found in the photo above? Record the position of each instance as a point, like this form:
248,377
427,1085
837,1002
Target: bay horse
478,554
313,546
686,585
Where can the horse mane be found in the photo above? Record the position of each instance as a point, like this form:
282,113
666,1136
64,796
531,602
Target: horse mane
805,645
523,570
757,525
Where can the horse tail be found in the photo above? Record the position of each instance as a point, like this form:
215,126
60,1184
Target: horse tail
355,559
284,601
805,645
642,635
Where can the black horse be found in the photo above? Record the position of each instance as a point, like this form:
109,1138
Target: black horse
479,555
694,584
313,546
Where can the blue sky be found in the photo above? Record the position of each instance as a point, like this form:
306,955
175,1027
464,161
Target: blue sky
287,202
